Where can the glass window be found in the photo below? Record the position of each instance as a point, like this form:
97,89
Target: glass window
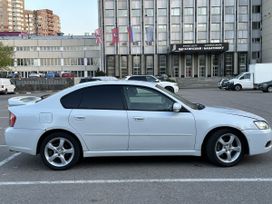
188,11
202,11
149,12
107,97
71,100
215,10
229,10
162,12
146,99
256,9
175,11
138,78
109,13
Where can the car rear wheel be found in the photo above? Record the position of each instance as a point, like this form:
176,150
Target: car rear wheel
60,151
169,88
269,89
225,148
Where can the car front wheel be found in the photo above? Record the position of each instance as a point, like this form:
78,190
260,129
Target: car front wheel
225,148
269,89
60,151
169,88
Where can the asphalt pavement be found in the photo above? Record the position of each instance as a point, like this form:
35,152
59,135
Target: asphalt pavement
24,179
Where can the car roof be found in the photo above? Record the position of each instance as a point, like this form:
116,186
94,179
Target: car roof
115,82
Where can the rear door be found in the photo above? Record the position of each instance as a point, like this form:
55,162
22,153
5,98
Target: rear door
101,118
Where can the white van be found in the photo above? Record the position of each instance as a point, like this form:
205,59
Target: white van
6,86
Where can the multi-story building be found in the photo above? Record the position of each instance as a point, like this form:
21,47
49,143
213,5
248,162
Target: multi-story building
77,54
29,24
11,15
267,31
46,22
182,38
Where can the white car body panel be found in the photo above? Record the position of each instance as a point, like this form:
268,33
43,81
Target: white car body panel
117,133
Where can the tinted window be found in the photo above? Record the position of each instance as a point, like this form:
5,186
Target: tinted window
138,78
102,97
71,100
151,79
146,99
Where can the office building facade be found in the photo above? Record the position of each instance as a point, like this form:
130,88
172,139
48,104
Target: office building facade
267,31
77,54
196,38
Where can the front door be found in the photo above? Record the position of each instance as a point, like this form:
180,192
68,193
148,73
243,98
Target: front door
153,125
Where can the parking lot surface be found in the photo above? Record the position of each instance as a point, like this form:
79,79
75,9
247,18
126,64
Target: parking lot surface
24,179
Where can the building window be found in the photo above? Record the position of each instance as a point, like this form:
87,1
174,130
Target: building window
136,63
256,25
109,13
202,27
122,13
162,28
228,64
256,9
162,12
175,11
202,65
149,12
229,10
188,27
189,65
162,64
124,66
215,65
215,10
176,65
242,62
135,12
202,11
110,62
149,62
188,11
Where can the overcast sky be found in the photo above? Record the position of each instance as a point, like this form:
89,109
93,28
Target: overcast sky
77,16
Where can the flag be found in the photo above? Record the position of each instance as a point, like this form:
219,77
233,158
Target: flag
115,36
149,35
130,34
98,36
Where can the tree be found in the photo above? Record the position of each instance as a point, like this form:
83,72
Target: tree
6,54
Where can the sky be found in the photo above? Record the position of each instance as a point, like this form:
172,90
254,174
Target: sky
77,16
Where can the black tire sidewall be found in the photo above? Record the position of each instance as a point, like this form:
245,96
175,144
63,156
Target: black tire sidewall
68,137
210,148
237,89
169,88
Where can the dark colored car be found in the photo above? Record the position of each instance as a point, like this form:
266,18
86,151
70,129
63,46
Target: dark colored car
266,86
223,84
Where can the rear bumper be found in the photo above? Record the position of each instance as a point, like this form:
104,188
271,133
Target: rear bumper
22,140
258,140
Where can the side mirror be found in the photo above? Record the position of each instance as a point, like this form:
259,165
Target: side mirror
177,107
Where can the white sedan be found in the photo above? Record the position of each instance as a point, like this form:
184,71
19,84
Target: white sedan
130,118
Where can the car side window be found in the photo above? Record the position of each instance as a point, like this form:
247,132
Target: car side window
146,99
138,78
151,79
106,97
71,100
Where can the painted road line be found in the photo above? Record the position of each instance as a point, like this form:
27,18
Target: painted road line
2,163
133,181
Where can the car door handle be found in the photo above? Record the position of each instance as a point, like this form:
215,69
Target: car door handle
79,117
138,118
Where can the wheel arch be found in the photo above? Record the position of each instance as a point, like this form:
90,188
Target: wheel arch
49,132
211,132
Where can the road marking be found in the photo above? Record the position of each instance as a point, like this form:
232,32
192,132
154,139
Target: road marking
2,163
200,180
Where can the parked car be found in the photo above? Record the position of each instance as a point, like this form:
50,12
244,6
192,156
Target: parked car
52,75
132,118
67,75
34,75
99,78
266,86
6,86
13,75
170,86
223,84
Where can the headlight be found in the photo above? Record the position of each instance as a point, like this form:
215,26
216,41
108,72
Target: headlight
262,125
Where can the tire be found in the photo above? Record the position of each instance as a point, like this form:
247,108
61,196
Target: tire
238,87
269,89
225,148
169,88
60,151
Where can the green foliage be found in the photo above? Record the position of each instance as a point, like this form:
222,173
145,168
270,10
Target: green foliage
100,73
6,53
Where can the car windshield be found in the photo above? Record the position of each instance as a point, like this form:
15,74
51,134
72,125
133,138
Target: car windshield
195,106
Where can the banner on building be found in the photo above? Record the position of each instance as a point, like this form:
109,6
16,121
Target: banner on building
115,36
130,34
149,35
200,48
98,36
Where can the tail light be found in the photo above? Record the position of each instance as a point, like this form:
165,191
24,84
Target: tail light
12,119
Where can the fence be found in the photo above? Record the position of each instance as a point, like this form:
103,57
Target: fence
42,84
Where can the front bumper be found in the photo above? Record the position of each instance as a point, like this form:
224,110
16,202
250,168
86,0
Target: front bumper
23,140
258,140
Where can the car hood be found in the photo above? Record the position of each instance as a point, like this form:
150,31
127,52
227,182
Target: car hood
231,111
